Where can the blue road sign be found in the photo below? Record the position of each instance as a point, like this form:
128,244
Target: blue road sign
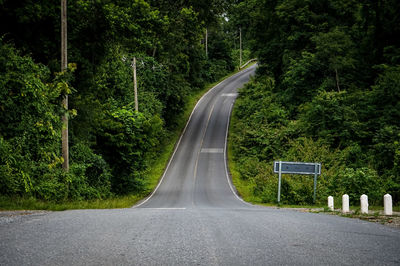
298,168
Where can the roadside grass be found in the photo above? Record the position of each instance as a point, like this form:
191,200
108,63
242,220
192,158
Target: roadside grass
152,176
19,203
243,188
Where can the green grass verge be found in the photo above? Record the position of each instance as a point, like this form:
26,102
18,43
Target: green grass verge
244,188
18,203
152,177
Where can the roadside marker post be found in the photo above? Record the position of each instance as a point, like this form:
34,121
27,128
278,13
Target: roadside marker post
297,168
345,204
387,205
364,204
331,203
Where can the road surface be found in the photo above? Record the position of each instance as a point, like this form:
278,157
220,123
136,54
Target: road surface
194,217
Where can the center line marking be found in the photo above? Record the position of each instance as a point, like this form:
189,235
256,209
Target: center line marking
229,94
164,208
212,150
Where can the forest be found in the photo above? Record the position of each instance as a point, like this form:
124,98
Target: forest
112,147
327,90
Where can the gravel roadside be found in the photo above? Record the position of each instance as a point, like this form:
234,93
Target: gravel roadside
372,216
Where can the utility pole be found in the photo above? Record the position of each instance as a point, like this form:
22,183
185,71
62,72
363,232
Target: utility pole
134,67
206,42
64,65
135,84
240,47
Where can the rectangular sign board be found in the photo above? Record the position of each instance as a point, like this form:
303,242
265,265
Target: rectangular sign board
298,168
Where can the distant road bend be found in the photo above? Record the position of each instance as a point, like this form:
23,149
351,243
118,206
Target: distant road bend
194,217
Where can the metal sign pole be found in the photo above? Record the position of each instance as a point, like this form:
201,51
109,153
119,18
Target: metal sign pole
279,182
315,182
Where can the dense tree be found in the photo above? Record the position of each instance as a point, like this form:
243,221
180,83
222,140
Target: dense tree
112,146
335,71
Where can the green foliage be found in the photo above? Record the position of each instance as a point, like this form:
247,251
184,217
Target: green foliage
327,90
301,80
127,139
356,182
52,186
336,80
30,136
30,128
111,145
246,56
261,122
90,175
332,117
328,130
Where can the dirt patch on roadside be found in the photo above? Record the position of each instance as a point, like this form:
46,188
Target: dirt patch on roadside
373,216
392,221
23,212
7,217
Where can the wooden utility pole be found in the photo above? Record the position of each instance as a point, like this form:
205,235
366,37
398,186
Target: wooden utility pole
135,84
64,64
240,47
206,42
337,79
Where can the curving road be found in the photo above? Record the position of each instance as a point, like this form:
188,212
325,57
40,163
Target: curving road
197,176
195,218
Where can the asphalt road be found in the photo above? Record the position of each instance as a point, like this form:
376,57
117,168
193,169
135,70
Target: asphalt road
195,218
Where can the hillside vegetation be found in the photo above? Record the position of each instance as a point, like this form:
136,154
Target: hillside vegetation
327,90
112,147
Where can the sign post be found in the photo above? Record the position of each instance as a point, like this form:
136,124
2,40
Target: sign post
279,181
298,168
315,184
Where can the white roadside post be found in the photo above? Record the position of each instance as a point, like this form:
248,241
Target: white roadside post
345,203
387,205
364,204
330,203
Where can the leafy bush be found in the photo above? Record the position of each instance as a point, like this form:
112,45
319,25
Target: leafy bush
30,129
52,186
328,131
331,117
128,140
90,175
356,182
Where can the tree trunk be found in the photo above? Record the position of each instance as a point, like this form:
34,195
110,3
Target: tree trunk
337,80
